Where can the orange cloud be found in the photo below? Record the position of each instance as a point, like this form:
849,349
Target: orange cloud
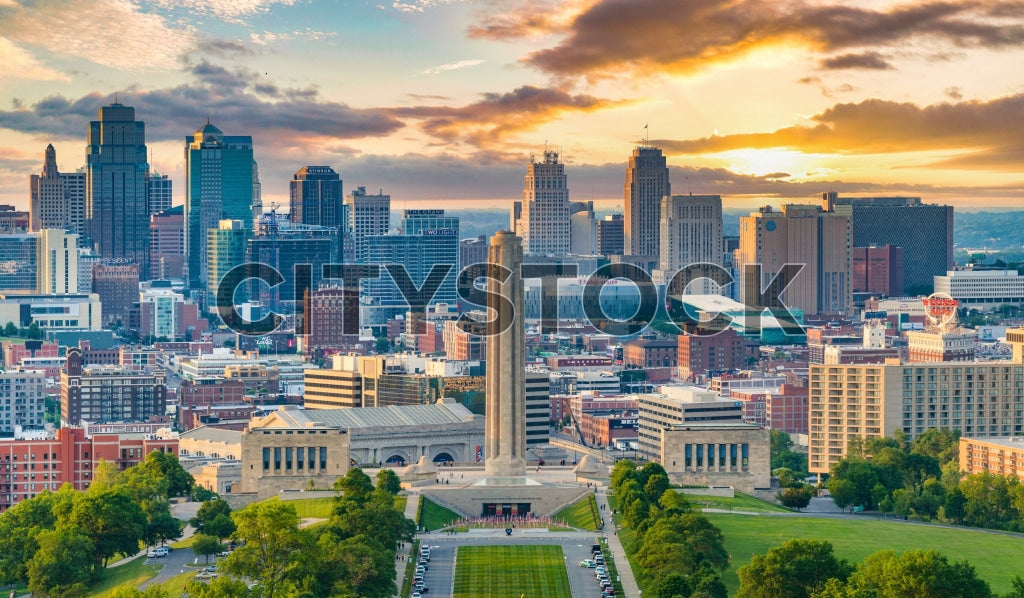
614,37
988,132
498,115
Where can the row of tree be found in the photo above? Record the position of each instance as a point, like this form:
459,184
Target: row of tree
679,553
923,479
809,569
59,542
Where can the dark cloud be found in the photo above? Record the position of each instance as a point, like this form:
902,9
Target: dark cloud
613,37
988,131
239,101
497,115
867,60
954,93
224,48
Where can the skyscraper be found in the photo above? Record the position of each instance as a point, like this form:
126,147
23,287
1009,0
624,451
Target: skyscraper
647,181
610,237
924,231
428,238
49,207
159,192
167,243
220,184
116,209
584,228
226,248
368,215
691,231
820,241
544,223
316,198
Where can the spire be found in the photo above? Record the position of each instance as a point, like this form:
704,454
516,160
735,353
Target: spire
50,162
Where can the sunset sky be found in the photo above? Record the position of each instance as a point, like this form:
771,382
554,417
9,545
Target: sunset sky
443,100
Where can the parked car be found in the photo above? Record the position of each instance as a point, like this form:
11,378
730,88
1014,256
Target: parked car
158,552
587,563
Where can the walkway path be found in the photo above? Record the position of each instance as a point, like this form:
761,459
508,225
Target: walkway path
629,585
412,505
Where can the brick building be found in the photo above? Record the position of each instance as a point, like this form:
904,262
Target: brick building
786,409
708,355
71,457
109,393
650,353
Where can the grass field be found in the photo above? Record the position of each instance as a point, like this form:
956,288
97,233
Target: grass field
318,508
433,516
581,514
854,539
740,502
132,574
510,571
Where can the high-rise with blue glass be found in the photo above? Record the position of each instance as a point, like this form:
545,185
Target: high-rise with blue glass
220,184
428,238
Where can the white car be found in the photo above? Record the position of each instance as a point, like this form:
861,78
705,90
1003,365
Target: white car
158,552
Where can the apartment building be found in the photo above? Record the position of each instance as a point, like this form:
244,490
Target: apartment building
869,400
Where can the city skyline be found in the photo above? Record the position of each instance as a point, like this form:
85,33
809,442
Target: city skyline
443,100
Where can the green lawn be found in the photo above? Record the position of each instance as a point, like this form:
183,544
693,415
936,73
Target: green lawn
400,502
581,514
510,571
176,584
854,539
132,573
317,508
433,516
740,502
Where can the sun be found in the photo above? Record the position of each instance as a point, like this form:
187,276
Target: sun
763,162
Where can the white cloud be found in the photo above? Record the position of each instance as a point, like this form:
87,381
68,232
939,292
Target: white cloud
113,33
452,66
228,10
270,37
414,6
17,63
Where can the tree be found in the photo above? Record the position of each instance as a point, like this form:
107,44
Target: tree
673,585
622,471
111,519
221,587
10,330
355,485
388,480
61,567
273,546
221,526
917,573
210,511
162,526
205,545
796,569
19,527
795,498
656,486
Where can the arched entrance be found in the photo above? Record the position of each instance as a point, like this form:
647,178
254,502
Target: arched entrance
443,458
395,460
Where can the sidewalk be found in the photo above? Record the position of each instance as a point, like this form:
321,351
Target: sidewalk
629,586
412,505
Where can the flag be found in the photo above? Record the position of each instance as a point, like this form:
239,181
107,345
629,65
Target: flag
479,453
